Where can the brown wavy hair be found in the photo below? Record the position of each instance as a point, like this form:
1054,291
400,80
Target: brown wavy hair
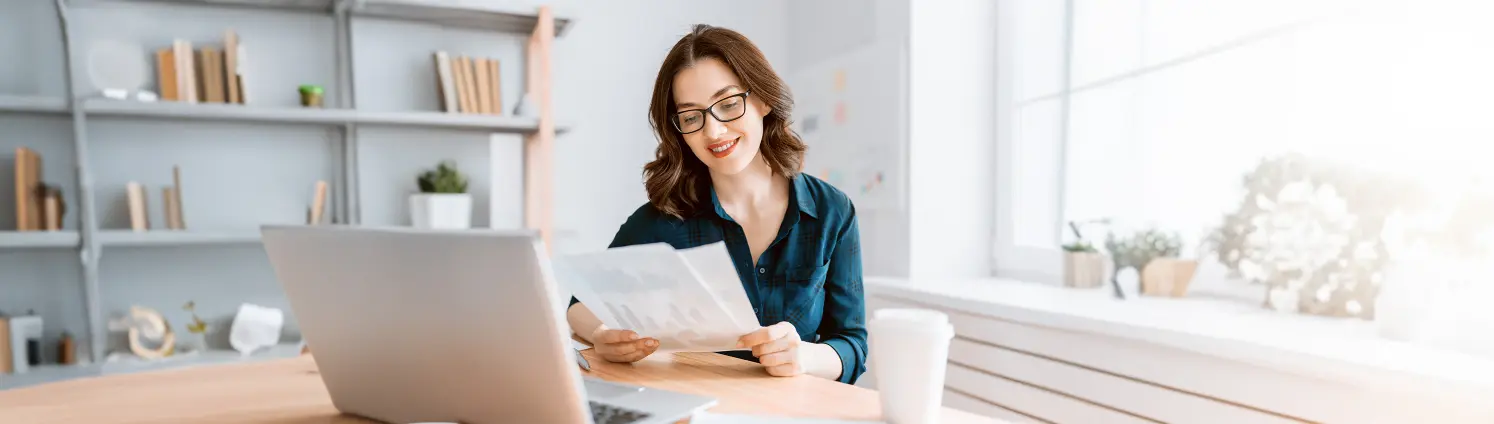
678,183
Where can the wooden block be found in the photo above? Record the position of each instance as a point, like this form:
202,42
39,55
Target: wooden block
176,197
168,205
484,86
135,193
319,203
166,74
231,66
28,179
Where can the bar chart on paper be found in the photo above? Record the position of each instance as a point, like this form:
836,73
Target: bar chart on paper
657,292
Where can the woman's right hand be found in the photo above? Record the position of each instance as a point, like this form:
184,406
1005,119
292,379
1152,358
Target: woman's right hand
622,345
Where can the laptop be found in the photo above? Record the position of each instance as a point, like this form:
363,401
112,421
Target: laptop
447,326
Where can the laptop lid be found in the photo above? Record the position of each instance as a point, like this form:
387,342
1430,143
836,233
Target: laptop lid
415,325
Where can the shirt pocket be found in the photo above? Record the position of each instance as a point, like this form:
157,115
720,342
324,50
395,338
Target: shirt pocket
804,290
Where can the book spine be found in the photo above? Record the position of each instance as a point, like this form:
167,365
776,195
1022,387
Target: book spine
139,221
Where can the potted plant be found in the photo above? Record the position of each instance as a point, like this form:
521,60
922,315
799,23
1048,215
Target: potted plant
1083,265
1154,254
443,202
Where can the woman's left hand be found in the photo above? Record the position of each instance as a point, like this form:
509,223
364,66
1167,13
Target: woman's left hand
777,348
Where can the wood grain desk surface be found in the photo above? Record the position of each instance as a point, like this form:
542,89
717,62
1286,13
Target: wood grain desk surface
289,391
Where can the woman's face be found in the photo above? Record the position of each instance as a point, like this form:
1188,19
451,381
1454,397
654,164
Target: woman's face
710,86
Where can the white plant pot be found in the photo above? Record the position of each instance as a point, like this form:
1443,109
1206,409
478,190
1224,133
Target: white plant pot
441,211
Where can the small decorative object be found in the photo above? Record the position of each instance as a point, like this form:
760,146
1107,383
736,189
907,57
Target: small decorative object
150,335
255,327
311,95
146,96
117,65
1083,265
67,353
443,202
116,93
1140,250
53,207
22,342
1167,276
197,327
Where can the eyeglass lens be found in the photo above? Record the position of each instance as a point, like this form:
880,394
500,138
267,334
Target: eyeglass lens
724,110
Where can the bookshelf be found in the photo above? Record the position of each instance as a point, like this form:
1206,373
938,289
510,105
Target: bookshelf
98,126
33,104
289,115
128,238
39,239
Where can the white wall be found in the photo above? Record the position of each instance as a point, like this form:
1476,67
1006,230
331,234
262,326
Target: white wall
604,70
952,183
825,31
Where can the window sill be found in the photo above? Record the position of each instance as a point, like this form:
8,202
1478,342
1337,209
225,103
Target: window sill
1344,350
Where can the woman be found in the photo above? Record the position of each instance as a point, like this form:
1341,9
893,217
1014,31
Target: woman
727,169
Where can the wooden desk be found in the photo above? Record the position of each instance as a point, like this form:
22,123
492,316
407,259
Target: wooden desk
290,392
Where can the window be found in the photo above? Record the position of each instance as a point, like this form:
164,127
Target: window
1151,113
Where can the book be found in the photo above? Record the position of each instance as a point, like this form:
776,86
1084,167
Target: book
176,197
186,73
240,71
28,177
210,75
484,95
7,363
444,84
463,74
231,67
135,195
166,74
169,206
318,203
494,86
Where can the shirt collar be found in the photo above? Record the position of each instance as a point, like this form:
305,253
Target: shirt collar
798,194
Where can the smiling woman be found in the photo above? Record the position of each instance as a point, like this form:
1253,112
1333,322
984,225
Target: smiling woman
727,170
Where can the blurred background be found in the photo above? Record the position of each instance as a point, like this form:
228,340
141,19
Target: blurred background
1136,210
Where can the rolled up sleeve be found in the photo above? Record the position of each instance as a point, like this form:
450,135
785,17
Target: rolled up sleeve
843,327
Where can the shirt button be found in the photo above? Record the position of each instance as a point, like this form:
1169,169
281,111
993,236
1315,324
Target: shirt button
762,270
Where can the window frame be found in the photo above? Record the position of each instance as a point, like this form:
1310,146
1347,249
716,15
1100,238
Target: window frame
1010,259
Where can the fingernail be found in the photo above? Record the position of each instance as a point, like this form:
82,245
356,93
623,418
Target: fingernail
652,343
633,336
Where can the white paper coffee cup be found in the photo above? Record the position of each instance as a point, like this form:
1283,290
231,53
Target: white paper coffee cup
909,353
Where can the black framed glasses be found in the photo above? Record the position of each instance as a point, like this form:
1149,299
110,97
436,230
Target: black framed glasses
727,109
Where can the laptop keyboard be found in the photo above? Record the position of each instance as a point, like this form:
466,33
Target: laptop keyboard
608,414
